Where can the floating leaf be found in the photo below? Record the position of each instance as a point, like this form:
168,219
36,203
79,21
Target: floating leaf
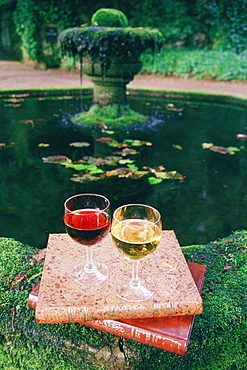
84,178
109,132
106,140
43,145
137,142
154,180
177,147
171,106
128,151
110,161
86,167
141,173
169,175
207,145
233,149
132,166
60,159
124,161
116,144
219,149
80,144
5,146
241,137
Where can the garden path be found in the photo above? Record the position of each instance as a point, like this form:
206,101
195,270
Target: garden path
18,76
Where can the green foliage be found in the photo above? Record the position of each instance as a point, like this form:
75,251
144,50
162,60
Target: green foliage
109,18
224,22
218,339
197,64
170,17
28,27
30,18
218,25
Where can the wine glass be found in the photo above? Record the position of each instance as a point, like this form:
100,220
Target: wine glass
87,219
136,231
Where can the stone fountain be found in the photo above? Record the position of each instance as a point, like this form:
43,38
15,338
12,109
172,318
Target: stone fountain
109,52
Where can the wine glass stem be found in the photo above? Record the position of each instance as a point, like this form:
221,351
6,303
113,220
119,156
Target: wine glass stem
89,267
134,282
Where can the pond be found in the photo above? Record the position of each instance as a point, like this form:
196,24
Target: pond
209,203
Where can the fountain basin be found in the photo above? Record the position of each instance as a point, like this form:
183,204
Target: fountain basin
208,204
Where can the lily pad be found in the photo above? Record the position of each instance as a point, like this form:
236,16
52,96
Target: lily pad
153,180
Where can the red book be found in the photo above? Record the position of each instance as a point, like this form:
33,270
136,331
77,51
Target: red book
170,333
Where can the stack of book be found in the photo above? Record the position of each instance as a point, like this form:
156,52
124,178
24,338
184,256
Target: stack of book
164,321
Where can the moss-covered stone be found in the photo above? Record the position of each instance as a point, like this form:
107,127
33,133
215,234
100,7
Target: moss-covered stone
109,18
103,44
109,116
218,340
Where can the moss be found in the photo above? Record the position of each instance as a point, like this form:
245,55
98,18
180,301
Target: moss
109,18
109,116
103,44
218,339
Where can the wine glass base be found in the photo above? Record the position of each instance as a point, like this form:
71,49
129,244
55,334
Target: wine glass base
97,275
141,292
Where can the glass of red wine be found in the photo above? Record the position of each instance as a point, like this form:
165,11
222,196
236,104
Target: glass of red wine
87,219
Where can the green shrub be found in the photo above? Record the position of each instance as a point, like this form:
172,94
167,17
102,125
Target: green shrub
197,64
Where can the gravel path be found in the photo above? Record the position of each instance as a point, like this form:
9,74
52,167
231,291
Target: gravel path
19,76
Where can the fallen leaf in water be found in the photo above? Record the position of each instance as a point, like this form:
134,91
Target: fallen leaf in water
43,145
57,159
106,140
220,149
207,145
127,151
124,161
241,137
177,147
154,180
78,144
172,107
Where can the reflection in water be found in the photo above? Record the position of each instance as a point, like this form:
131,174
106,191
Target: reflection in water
210,203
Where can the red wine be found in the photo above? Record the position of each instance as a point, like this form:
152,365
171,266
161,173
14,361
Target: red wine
87,226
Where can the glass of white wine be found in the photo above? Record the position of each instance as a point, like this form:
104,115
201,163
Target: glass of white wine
136,231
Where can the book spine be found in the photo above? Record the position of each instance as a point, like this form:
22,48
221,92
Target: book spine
68,314
165,342
121,329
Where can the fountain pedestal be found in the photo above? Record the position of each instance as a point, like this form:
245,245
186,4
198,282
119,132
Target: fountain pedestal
110,86
110,106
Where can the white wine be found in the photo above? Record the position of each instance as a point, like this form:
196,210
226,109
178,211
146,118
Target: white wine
136,238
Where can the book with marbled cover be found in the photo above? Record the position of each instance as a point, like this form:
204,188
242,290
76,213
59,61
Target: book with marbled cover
63,300
170,333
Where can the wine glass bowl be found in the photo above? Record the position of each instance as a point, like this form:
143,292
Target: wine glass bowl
87,219
136,232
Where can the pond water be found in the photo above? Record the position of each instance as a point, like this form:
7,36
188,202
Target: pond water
210,202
